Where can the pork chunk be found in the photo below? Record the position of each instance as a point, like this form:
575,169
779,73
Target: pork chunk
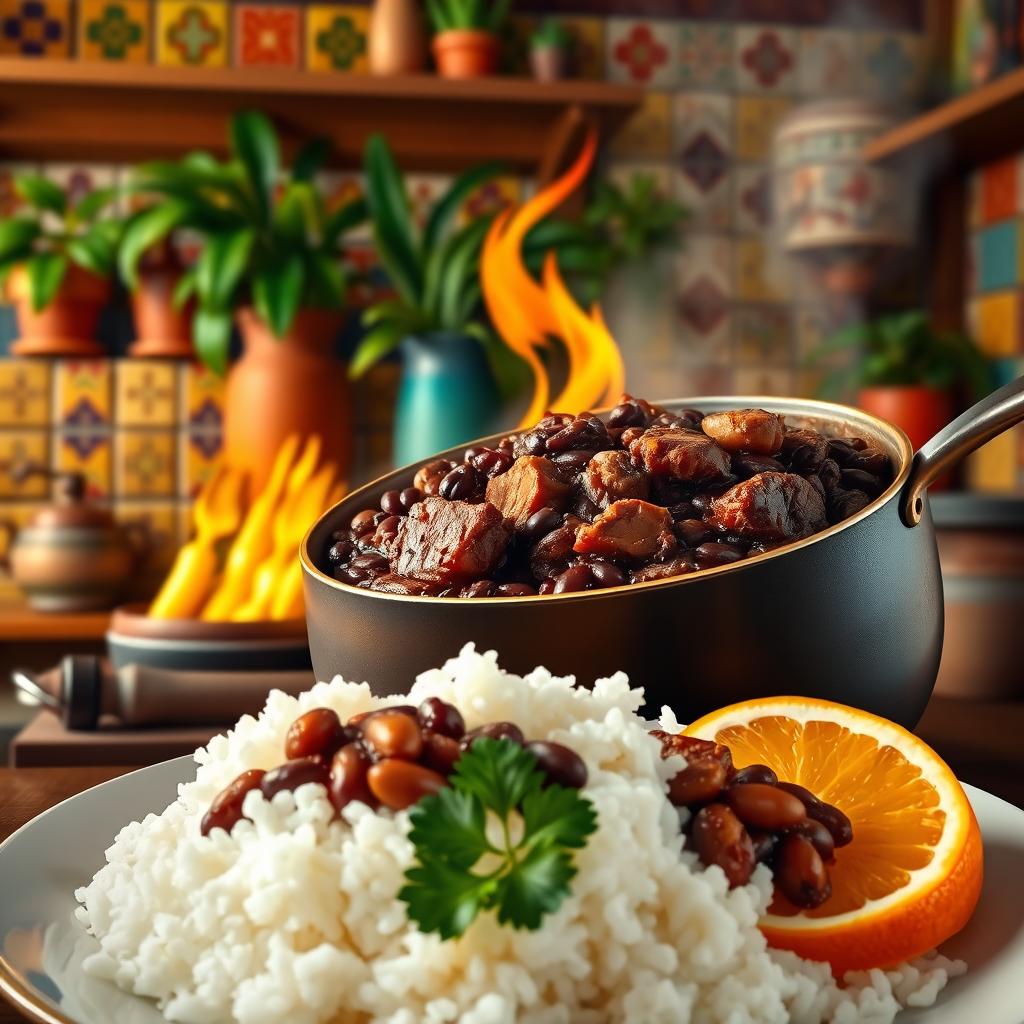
746,430
527,487
630,529
681,454
611,476
770,506
449,542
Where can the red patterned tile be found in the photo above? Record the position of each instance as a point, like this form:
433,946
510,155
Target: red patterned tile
267,36
643,52
766,59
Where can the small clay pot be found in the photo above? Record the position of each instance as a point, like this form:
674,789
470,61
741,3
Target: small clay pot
67,326
161,330
466,53
548,63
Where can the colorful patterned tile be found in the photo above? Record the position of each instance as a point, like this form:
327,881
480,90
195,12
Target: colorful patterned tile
83,393
491,197
702,146
24,393
893,65
198,459
703,298
88,453
192,33
145,463
157,523
761,274
17,446
424,190
706,55
764,335
201,394
997,256
79,179
10,201
336,37
752,195
648,133
146,393
340,187
998,190
994,322
757,117
642,52
114,30
267,36
764,380
35,28
828,63
765,59
586,46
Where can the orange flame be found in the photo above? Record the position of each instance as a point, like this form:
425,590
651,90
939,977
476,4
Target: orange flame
528,313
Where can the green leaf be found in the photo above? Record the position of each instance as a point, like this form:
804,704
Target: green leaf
17,235
42,193
437,11
90,205
277,293
375,345
442,898
144,230
46,272
392,219
556,815
537,887
254,143
184,289
325,281
445,209
451,824
311,159
211,336
92,252
221,266
461,269
344,219
501,775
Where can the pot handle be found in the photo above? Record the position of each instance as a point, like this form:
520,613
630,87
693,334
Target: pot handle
970,430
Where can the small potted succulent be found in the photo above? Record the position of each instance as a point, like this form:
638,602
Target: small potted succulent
56,263
901,369
466,40
271,265
549,51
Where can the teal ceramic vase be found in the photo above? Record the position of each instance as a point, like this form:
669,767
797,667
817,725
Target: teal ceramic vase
446,396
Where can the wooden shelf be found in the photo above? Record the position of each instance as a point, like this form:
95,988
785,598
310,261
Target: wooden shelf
20,624
971,130
80,110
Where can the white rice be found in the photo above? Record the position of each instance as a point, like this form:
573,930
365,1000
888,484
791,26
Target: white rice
294,917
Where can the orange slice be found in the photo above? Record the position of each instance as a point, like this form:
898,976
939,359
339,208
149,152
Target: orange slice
912,875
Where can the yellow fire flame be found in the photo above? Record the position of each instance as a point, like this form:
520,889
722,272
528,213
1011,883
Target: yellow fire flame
529,314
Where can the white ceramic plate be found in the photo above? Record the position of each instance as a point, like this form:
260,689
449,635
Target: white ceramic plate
42,948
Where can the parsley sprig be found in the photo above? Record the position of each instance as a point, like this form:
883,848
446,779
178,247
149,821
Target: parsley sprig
528,872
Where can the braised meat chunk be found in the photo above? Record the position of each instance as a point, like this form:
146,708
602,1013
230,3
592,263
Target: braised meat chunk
746,430
531,484
680,453
611,476
449,542
631,529
770,506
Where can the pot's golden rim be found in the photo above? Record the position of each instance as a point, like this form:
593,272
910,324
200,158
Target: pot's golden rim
856,421
25,998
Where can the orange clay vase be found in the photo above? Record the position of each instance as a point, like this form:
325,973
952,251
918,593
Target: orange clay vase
465,53
283,386
67,326
162,331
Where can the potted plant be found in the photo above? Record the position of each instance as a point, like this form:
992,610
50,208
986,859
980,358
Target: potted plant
466,42
163,326
56,261
905,371
270,264
453,367
549,51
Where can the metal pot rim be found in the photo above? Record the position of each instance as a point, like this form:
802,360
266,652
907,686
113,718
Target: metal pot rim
856,422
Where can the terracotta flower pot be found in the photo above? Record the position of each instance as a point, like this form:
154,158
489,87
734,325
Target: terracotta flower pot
67,326
161,331
284,386
548,63
397,39
466,53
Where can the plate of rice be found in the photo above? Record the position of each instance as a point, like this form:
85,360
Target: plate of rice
122,905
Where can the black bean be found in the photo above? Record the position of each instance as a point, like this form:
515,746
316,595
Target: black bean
576,577
317,732
718,837
560,764
348,777
763,806
490,461
441,717
226,810
514,590
800,872
370,561
542,521
755,773
628,414
364,522
712,553
819,837
493,731
572,461
293,774
391,503
831,817
607,574
460,484
339,551
479,588
409,497
546,586
692,531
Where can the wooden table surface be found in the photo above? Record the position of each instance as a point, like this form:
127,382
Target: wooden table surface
981,742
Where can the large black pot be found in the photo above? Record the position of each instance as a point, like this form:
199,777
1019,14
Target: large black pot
852,614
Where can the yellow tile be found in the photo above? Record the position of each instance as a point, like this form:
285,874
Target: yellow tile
202,397
114,30
146,392
587,36
88,454
145,464
759,276
996,323
156,524
336,37
648,133
198,459
192,33
36,29
993,467
756,120
21,446
82,392
24,393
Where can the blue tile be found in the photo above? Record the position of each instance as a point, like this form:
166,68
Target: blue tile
997,256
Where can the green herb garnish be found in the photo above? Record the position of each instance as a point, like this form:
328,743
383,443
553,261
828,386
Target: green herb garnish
526,875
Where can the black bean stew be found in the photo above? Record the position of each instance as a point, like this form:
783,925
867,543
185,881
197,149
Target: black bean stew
580,503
